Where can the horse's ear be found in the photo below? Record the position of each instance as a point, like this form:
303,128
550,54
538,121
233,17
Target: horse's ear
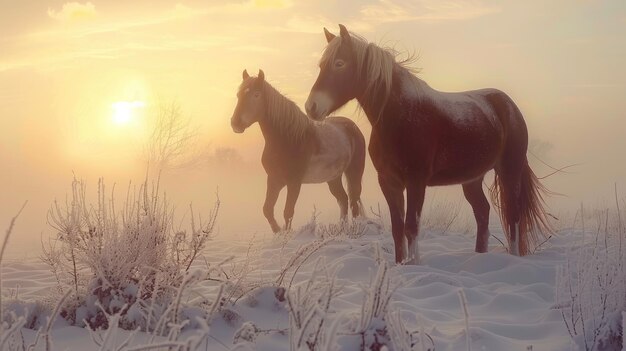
329,36
245,74
261,75
345,36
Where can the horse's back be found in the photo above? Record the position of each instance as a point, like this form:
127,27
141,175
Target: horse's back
472,130
467,109
336,140
501,104
344,122
508,115
348,125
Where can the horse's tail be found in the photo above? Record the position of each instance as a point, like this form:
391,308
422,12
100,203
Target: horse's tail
522,209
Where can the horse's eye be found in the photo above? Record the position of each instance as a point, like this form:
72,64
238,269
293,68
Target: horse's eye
339,63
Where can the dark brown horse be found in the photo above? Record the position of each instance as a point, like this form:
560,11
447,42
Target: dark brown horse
423,137
299,151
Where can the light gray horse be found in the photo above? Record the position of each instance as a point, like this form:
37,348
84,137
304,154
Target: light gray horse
298,150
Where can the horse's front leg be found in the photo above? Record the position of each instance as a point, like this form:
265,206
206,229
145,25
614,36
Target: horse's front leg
415,193
393,190
293,191
271,196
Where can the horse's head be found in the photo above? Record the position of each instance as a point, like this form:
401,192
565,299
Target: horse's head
250,103
336,83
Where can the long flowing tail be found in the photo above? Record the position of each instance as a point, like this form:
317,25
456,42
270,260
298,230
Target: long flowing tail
523,212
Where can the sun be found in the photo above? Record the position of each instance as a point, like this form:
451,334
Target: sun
124,111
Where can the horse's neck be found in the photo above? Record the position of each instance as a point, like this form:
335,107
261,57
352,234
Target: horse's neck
274,134
271,132
406,89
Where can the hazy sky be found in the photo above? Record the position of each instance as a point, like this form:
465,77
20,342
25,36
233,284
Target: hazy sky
64,64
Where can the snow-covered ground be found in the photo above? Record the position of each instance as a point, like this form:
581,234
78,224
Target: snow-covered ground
510,300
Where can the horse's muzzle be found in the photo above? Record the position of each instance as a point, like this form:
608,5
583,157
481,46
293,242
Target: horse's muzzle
317,106
236,128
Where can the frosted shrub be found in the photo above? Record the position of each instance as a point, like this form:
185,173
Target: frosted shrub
309,310
304,252
379,328
10,323
377,297
371,322
120,261
591,286
403,339
19,316
440,216
343,230
443,215
166,333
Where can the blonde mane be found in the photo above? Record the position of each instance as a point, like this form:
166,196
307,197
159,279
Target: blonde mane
282,113
375,63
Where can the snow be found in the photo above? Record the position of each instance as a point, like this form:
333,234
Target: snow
510,301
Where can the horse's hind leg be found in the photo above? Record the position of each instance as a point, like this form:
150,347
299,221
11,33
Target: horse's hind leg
293,191
336,188
354,178
510,183
415,193
271,196
475,195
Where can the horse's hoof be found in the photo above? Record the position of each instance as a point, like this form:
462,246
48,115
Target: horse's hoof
412,262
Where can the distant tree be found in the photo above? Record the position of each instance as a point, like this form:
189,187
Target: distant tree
539,154
540,148
225,156
172,141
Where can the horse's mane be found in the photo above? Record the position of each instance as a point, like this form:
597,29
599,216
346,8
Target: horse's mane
281,112
375,62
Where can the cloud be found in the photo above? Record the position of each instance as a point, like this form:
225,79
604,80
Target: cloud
385,11
271,4
182,11
367,18
595,85
252,48
72,11
176,13
308,24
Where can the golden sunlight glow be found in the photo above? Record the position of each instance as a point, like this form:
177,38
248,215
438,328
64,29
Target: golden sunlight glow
272,4
124,111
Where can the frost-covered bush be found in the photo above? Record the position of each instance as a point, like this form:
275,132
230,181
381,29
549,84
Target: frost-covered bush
403,339
343,230
377,296
314,324
10,322
371,323
32,313
309,306
377,326
441,215
591,286
128,261
323,234
165,333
